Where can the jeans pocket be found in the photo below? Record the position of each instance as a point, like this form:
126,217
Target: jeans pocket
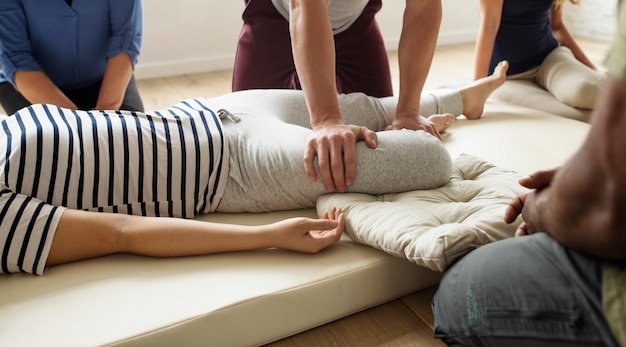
572,318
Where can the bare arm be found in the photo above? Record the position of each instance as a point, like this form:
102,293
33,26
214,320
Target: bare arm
37,88
333,142
490,17
84,235
564,37
117,74
415,54
314,57
584,206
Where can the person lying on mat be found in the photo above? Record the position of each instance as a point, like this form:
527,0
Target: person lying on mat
82,184
562,281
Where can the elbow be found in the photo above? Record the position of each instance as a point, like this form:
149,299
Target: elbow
490,26
296,16
419,11
613,202
615,221
610,227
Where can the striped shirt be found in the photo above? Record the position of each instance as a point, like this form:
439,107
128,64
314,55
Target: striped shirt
171,163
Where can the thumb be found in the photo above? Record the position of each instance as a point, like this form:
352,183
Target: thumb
368,136
538,179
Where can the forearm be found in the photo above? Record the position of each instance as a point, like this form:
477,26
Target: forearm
415,52
482,53
563,36
84,235
117,74
314,58
490,18
585,206
155,237
566,39
37,88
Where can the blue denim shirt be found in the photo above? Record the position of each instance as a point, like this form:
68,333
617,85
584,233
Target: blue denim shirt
70,44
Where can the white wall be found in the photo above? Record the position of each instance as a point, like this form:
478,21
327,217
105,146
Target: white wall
190,36
459,23
594,19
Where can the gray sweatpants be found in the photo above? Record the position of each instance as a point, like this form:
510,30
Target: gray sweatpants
267,147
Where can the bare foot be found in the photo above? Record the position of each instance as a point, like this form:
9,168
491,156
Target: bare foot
476,93
442,121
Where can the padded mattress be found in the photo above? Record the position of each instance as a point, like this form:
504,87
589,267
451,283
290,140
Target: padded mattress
252,298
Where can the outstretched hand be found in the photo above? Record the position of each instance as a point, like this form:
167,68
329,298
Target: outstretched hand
335,148
309,235
538,181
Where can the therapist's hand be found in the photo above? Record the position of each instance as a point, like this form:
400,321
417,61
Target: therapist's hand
335,148
413,122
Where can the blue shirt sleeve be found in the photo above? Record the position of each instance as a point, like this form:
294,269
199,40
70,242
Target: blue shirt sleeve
126,28
15,48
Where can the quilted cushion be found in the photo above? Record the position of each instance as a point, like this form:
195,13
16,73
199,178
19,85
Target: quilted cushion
432,228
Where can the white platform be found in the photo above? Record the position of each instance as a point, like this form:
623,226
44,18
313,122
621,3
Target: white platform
251,298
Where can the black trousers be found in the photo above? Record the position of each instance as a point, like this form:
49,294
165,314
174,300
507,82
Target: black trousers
85,98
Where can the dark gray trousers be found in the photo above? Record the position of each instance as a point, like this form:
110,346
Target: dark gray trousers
85,98
524,291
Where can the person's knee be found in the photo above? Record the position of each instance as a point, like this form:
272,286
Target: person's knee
420,158
403,160
454,304
485,295
585,96
458,304
446,323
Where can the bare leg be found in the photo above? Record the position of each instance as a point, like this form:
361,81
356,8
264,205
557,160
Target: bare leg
476,93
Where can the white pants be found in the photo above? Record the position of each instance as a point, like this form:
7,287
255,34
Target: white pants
569,80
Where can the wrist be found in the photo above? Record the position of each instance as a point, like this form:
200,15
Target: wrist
406,110
330,120
407,115
268,235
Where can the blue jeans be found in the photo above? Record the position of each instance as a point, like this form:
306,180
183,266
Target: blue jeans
524,291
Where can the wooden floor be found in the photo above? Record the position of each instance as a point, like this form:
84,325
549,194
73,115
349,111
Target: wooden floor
407,321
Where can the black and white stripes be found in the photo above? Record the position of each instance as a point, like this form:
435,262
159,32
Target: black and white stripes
172,163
